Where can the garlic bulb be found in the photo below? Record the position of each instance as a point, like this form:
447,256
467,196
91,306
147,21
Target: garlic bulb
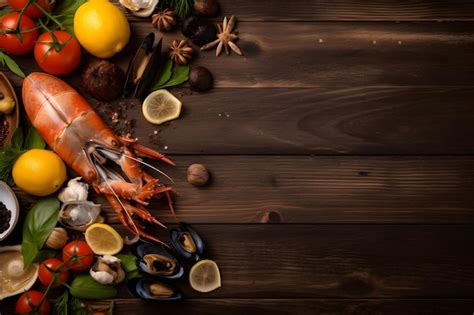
75,190
57,239
107,270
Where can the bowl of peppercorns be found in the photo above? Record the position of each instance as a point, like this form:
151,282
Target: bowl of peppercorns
9,210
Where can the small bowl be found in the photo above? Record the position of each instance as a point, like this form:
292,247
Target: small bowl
13,118
8,197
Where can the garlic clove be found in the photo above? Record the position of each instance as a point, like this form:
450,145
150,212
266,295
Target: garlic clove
57,239
102,277
75,190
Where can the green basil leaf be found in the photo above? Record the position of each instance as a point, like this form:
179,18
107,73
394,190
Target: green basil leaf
17,138
39,223
8,156
33,140
180,75
129,265
165,75
6,60
85,287
65,13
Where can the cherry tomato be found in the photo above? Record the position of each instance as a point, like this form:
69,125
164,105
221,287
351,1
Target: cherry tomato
30,301
17,43
78,255
59,55
32,11
46,272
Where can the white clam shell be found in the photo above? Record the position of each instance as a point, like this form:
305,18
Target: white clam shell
14,271
140,8
79,215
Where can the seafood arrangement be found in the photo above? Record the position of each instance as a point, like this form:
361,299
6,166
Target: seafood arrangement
66,240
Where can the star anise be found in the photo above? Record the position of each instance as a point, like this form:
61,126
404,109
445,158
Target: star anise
180,51
226,38
164,20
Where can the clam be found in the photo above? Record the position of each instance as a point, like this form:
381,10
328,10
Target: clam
158,261
79,214
187,242
14,278
107,270
140,8
143,68
153,290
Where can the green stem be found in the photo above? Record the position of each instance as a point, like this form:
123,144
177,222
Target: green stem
49,16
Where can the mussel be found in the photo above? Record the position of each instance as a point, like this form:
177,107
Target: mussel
143,68
187,242
158,261
153,290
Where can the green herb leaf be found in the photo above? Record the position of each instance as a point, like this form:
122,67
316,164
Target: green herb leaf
17,138
129,264
180,75
85,287
8,156
65,13
6,60
181,7
45,254
34,140
39,223
77,307
165,75
61,305
5,11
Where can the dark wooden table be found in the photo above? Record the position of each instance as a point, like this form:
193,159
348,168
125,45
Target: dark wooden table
341,147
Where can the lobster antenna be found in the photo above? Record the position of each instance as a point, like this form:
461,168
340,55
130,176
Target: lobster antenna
150,166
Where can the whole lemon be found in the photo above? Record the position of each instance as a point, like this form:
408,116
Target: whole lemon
39,172
101,28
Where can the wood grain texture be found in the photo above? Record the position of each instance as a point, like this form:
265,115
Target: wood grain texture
202,306
291,54
294,189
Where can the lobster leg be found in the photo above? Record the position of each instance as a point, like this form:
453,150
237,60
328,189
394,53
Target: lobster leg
133,191
126,221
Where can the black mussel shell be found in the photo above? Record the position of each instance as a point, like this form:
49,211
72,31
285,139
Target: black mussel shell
144,288
146,250
187,242
199,30
142,67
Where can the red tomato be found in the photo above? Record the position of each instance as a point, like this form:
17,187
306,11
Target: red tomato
30,301
11,42
46,272
78,255
59,56
32,11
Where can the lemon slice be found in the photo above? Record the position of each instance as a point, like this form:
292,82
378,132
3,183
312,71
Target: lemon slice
161,106
103,239
205,276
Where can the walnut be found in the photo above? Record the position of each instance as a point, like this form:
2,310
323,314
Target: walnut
164,20
180,51
197,175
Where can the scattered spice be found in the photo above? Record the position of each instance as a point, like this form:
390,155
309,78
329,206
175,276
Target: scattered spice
4,128
180,51
5,216
226,38
164,20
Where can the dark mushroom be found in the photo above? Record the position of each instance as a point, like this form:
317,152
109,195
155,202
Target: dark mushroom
200,79
198,30
206,7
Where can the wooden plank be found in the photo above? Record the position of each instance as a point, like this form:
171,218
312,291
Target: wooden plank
365,120
345,10
338,261
292,54
245,189
285,306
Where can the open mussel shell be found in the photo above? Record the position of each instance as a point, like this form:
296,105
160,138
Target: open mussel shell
187,242
158,261
153,290
143,68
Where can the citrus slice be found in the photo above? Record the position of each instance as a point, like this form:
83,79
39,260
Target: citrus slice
161,106
103,239
205,276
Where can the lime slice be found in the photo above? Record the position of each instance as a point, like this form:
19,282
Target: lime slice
161,106
205,276
103,239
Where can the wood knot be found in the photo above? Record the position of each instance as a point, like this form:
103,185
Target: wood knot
363,173
271,217
358,283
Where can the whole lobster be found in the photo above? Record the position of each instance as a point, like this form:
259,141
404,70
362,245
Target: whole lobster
79,136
